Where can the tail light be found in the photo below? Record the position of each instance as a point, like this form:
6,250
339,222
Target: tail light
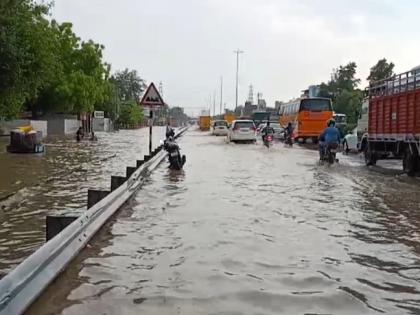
270,138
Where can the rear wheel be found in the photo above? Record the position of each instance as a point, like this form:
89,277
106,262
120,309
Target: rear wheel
370,155
331,158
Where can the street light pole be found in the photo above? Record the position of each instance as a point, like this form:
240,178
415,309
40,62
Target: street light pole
237,52
221,95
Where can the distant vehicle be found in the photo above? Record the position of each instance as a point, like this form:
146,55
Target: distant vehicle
341,123
229,118
260,117
394,122
204,123
362,124
309,117
220,128
242,130
350,142
362,121
278,130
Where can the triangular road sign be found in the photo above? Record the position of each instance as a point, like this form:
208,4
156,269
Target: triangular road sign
152,97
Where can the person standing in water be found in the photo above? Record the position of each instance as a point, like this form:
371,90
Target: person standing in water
79,134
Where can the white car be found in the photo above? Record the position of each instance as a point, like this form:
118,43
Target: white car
220,128
350,142
242,130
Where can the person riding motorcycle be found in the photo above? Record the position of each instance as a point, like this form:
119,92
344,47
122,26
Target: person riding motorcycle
288,131
330,136
267,130
169,132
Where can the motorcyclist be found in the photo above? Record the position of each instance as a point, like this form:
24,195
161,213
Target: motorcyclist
330,136
169,131
289,130
267,130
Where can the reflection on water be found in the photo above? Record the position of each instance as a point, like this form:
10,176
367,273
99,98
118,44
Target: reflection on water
243,230
35,185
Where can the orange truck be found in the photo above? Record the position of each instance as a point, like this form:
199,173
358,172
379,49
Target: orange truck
229,118
204,123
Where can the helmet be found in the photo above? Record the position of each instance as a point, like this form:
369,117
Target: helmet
289,123
268,123
331,123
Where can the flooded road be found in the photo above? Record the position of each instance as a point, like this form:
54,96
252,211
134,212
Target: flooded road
244,230
33,186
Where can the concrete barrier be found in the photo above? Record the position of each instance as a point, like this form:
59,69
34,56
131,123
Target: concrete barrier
9,125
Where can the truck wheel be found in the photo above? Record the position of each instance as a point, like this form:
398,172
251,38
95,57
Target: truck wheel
370,156
409,163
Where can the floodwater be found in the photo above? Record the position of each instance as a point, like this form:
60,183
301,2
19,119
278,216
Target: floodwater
246,230
36,185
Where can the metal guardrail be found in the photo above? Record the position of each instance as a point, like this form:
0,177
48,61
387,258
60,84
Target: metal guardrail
23,285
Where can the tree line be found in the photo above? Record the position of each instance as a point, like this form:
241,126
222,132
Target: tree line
45,67
343,87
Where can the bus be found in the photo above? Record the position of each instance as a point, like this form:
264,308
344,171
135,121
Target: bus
309,117
260,117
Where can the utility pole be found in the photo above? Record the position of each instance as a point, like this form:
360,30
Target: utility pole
214,103
221,95
237,52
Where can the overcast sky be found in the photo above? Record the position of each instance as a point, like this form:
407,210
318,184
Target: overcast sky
287,44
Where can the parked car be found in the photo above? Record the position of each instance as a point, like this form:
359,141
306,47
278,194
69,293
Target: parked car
278,130
242,130
220,128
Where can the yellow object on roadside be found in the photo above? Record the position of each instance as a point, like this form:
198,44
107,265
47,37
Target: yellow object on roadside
26,129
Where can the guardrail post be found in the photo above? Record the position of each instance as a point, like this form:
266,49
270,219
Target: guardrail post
94,196
139,163
55,224
117,181
129,171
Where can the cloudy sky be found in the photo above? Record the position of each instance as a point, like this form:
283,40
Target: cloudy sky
287,44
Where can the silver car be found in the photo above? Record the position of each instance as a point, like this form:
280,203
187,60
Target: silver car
278,130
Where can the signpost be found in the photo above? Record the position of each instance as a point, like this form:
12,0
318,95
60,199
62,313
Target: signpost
151,100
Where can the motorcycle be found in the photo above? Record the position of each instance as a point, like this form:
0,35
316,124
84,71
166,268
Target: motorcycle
268,140
330,153
288,140
176,161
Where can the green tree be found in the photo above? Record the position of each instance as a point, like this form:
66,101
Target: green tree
343,91
131,115
44,65
27,54
380,71
130,85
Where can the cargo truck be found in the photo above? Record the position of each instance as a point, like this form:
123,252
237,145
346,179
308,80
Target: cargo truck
204,123
394,121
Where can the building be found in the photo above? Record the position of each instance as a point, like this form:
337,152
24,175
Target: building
262,105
